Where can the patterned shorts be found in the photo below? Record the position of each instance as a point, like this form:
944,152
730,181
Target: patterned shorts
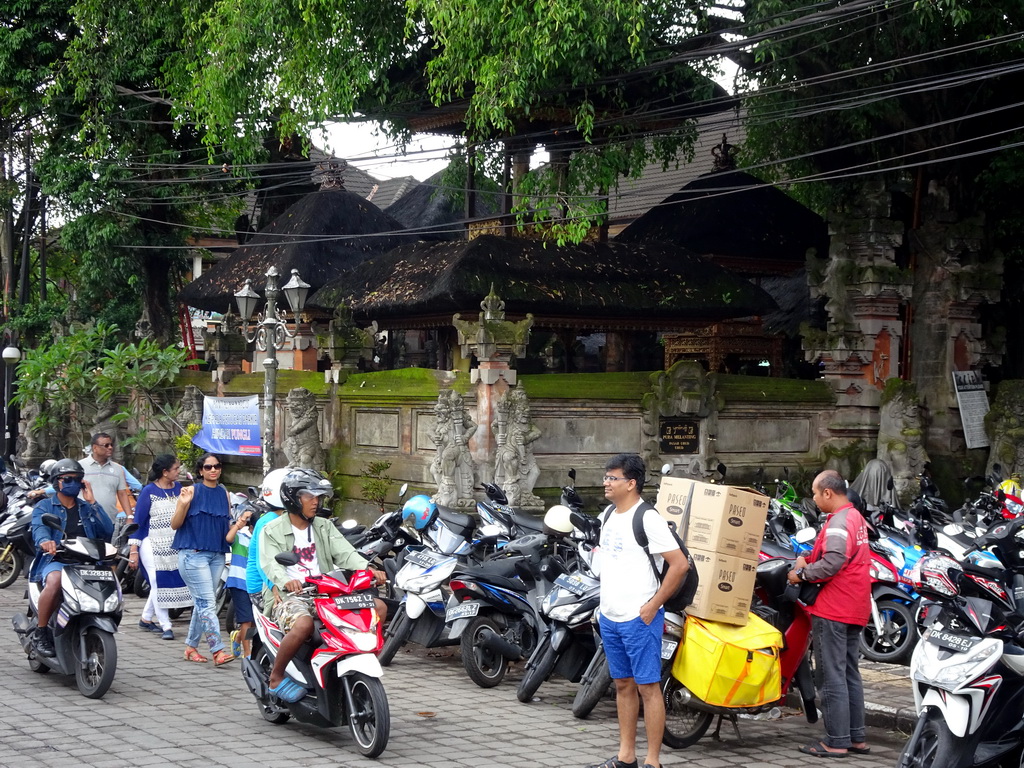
290,610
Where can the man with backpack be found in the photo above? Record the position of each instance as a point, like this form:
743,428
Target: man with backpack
633,596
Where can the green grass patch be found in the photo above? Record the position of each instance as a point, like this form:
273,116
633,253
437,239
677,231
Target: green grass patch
252,383
760,389
630,386
422,383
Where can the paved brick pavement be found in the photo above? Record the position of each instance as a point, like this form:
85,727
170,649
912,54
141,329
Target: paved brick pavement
163,711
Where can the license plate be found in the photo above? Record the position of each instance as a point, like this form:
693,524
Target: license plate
572,583
952,641
96,573
354,602
423,558
463,611
668,648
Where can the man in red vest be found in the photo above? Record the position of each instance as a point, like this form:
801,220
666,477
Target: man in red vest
840,560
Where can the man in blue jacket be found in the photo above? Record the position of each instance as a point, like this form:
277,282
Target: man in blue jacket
77,518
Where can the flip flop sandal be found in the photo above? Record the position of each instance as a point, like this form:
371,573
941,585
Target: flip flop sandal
859,750
191,654
288,691
614,762
817,748
222,657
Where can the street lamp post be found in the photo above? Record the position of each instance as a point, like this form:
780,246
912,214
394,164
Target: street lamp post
11,355
270,333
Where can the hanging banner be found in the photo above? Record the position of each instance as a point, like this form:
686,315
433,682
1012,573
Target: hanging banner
231,426
973,402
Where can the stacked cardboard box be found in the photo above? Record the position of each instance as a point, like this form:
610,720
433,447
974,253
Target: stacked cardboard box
722,527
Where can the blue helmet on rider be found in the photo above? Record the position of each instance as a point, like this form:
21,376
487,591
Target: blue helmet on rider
419,510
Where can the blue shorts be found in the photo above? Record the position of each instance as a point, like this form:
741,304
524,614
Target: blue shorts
634,648
48,569
243,605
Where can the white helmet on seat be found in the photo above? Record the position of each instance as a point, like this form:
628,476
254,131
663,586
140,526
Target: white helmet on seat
557,522
270,491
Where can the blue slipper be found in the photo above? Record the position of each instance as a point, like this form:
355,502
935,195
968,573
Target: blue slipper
288,691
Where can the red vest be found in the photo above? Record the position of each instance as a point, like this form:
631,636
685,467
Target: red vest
846,597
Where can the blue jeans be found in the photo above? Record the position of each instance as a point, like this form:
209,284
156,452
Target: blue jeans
837,649
201,571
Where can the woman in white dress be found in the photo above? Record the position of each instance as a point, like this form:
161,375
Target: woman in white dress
152,542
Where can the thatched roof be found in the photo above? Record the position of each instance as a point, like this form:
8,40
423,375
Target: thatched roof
648,281
435,212
321,235
758,223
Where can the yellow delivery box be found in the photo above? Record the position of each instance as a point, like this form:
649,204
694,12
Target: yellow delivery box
714,518
728,666
726,587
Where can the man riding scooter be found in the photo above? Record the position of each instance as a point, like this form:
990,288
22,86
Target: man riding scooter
321,548
79,517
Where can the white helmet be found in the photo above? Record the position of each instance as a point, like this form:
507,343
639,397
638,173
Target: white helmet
557,521
46,466
270,492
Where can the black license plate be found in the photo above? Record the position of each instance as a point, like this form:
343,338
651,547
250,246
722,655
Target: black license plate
952,641
572,583
422,558
354,602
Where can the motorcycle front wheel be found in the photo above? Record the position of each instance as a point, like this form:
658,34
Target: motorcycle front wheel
593,687
95,672
535,675
11,563
684,725
395,636
933,745
370,720
894,644
484,666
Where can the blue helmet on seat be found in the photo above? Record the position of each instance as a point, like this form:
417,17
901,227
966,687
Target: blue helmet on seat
419,510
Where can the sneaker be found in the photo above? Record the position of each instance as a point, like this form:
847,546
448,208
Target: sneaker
43,641
236,644
149,626
167,635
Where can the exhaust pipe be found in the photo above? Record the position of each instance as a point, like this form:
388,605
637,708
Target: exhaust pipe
492,641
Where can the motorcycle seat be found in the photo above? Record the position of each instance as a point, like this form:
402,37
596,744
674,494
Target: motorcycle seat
462,524
529,523
497,573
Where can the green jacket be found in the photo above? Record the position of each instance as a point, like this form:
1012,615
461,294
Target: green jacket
332,552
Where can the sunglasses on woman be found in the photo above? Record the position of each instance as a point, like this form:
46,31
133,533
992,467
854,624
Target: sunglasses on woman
211,466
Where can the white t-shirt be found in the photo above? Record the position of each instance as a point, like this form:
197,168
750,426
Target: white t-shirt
305,548
627,579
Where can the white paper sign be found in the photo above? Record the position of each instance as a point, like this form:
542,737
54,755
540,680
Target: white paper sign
973,402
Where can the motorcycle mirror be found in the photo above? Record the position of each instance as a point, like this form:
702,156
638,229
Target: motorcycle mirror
806,535
997,467
572,475
666,468
889,484
348,525
403,489
287,558
721,470
253,493
51,521
130,529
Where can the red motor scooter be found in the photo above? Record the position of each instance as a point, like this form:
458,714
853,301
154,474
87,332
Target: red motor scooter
688,716
338,666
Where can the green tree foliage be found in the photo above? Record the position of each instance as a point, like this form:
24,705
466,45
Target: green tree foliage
86,369
246,67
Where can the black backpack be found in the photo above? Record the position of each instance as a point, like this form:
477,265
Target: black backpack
684,595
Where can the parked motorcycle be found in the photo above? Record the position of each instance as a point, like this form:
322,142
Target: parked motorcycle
85,623
568,607
338,668
968,669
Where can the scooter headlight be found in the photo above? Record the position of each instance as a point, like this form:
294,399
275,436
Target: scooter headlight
88,604
112,603
562,612
949,677
880,573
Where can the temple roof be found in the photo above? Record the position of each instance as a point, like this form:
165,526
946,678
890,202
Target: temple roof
603,284
320,235
435,212
737,220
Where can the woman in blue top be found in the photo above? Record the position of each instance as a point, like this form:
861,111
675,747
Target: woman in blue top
202,519
152,543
